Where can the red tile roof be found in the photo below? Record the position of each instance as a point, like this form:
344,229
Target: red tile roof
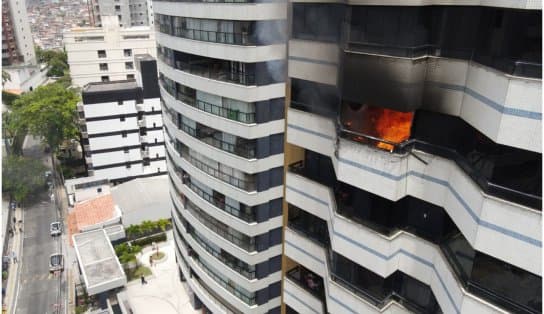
90,212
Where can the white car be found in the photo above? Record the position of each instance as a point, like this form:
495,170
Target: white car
56,263
55,228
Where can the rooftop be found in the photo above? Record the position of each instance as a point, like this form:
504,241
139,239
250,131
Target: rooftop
99,210
110,86
99,265
143,194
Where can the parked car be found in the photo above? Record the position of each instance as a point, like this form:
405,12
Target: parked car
55,229
56,262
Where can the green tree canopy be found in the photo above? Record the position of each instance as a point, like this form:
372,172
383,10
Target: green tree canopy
49,112
22,176
5,77
57,61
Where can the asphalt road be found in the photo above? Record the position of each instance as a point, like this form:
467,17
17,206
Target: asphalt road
39,291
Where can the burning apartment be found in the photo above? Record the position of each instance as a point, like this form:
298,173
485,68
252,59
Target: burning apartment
414,158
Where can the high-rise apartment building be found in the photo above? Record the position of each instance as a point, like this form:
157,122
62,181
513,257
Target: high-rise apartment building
103,54
129,12
121,126
414,157
222,74
17,44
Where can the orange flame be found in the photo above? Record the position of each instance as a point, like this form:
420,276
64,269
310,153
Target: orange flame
386,124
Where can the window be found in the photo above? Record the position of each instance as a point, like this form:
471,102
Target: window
120,102
105,78
124,134
126,150
117,8
102,53
127,165
103,66
99,190
130,76
120,17
129,65
127,52
122,118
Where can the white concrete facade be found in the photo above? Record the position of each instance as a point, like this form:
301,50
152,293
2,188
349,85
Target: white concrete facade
107,51
204,169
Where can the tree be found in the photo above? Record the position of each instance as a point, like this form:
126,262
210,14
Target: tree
22,176
5,77
48,112
57,61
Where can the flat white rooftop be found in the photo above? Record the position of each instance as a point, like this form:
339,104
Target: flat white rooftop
99,265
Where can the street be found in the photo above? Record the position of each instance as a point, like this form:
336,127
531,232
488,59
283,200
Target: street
39,291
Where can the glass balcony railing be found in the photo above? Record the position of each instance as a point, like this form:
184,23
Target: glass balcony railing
245,213
215,71
215,37
223,230
217,110
247,184
226,258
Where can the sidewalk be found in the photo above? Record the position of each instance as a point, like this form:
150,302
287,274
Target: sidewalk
164,292
15,245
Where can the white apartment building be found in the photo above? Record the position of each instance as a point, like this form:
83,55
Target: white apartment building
129,12
121,126
222,72
102,54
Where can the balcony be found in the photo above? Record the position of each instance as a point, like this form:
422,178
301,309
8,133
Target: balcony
242,147
244,212
311,290
412,35
188,96
244,269
223,230
309,225
247,183
215,37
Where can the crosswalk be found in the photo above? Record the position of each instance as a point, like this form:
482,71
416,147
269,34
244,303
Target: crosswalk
40,277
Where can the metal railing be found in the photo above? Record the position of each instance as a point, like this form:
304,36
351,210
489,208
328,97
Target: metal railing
246,150
220,203
231,114
243,241
225,257
248,185
215,37
212,69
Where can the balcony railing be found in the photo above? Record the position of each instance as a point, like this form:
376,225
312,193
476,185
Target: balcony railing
246,150
210,70
231,114
313,108
226,258
215,37
309,281
246,185
242,241
248,214
248,299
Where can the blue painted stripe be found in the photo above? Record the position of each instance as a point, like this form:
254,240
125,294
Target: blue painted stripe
305,252
308,195
505,231
464,204
385,258
303,59
534,115
299,300
296,127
